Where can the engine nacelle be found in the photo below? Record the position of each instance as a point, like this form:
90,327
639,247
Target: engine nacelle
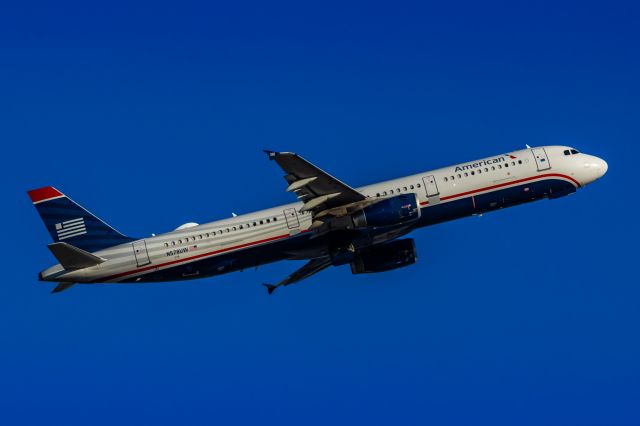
385,257
398,210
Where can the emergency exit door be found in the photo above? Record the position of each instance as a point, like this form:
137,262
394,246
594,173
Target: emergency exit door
291,216
431,188
140,252
542,161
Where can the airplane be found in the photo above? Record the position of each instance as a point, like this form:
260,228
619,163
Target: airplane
331,224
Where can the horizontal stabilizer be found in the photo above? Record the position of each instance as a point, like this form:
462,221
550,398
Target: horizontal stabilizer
72,258
62,287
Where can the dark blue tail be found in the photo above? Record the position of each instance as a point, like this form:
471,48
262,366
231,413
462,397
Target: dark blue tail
68,222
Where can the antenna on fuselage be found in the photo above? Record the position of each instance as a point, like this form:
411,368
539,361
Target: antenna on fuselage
527,145
233,214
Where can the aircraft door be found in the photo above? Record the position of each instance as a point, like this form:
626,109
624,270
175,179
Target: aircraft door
291,216
431,188
542,161
141,253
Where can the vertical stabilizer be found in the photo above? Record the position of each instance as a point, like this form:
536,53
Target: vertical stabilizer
68,222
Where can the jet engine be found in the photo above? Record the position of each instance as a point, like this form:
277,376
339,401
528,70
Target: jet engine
385,257
398,210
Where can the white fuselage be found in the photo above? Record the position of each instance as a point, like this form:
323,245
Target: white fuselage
469,180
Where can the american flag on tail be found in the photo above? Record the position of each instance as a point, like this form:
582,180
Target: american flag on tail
70,228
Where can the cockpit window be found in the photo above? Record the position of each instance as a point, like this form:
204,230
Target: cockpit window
567,152
573,151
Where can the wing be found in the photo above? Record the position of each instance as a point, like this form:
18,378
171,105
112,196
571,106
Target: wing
316,188
310,268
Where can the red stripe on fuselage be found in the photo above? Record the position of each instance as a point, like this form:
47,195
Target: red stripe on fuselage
502,185
173,262
279,237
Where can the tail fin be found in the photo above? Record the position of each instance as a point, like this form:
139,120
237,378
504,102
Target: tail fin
67,222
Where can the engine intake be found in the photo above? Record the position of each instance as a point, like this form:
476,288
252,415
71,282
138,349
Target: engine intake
397,210
385,257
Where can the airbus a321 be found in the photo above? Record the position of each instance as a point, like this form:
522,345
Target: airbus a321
331,224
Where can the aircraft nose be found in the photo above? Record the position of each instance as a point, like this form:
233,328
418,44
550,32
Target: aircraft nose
604,167
596,167
600,167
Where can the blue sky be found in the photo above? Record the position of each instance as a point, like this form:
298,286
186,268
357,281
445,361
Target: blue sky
155,114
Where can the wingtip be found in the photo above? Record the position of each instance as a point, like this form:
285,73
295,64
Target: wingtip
270,154
270,288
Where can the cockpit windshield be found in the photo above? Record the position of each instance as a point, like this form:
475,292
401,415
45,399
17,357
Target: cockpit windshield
571,151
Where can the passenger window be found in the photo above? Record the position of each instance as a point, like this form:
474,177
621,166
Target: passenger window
166,244
418,185
506,164
398,190
493,167
199,237
499,166
405,188
519,161
207,234
466,174
173,243
486,170
384,193
261,222
513,163
275,219
179,241
473,173
241,227
479,171
255,223
446,179
391,191
411,187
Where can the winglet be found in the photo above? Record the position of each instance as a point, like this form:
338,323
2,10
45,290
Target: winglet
270,288
270,154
